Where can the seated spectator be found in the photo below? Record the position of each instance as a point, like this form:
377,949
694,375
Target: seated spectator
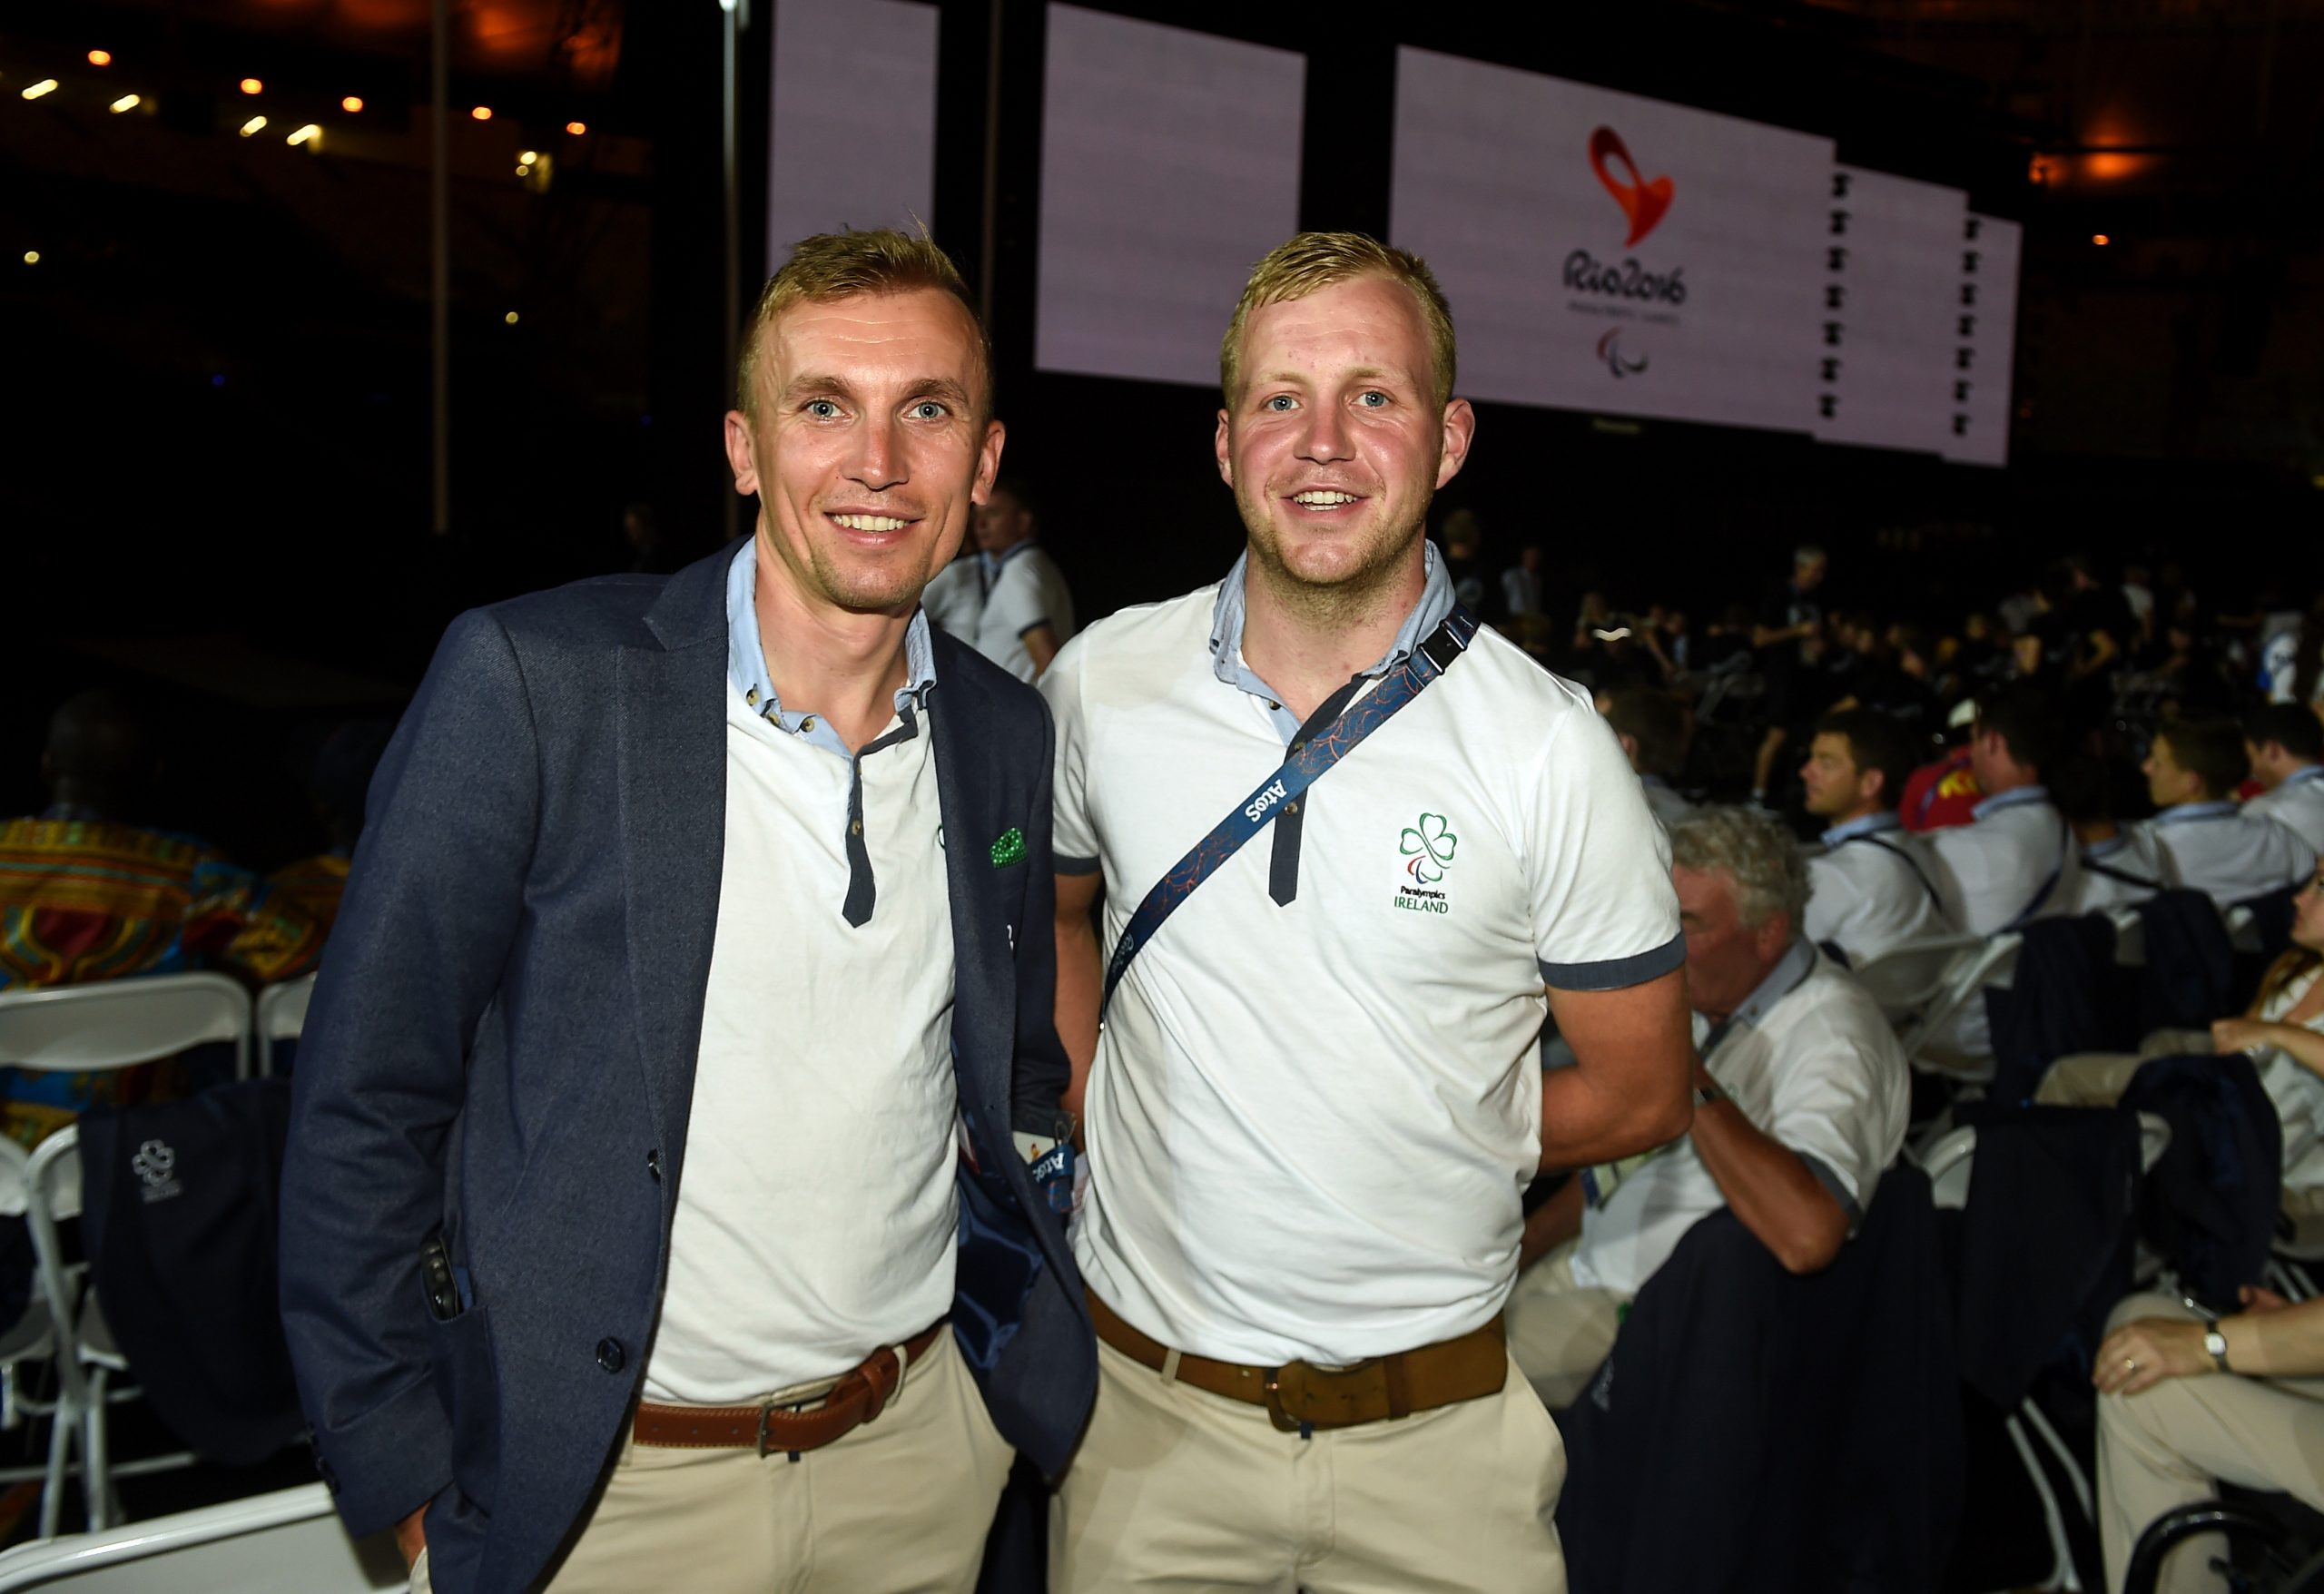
2282,1032
1652,727
954,596
85,895
1945,793
2015,862
2185,1404
336,785
1870,887
1028,609
1801,1097
2120,867
2285,743
2192,772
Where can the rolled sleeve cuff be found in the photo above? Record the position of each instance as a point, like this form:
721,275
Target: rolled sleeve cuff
1067,863
1832,1182
1613,974
389,1461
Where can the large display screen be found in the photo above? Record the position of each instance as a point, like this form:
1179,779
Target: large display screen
1893,270
1607,253
1169,163
830,164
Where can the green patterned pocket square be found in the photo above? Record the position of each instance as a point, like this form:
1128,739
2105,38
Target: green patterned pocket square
1007,848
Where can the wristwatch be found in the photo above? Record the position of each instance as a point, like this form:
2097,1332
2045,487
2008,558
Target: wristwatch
1707,1094
2215,1345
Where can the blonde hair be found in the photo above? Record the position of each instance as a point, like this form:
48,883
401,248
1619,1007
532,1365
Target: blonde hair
842,265
1315,261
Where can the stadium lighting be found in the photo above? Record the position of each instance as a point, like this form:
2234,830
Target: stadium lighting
100,57
252,86
126,102
255,124
576,128
510,318
309,134
482,113
46,85
32,257
351,105
2100,239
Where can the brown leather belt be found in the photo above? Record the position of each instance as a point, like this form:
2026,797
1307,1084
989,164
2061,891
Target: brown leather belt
1297,1395
856,1398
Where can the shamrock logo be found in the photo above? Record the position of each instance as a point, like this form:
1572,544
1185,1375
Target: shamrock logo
1430,847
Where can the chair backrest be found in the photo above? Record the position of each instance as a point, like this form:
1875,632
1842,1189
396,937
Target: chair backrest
282,1014
119,1023
1904,977
1949,1161
287,1543
2130,937
1992,963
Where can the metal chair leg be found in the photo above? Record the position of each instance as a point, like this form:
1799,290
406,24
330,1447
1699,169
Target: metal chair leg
2062,1578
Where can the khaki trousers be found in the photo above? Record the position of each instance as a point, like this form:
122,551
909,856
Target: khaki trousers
2170,1444
1175,1488
1560,1332
2098,1079
899,1506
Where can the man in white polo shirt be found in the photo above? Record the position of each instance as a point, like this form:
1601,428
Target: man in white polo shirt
1802,1096
1027,611
2286,745
2015,860
2193,771
1873,889
1315,1099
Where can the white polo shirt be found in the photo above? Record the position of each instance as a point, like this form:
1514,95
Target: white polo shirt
816,1218
1662,800
1024,590
2297,1093
1812,1063
2122,871
2297,803
2228,855
1871,888
1317,1097
2013,862
953,598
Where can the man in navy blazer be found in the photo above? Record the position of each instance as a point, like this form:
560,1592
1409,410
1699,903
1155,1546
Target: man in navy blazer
659,1199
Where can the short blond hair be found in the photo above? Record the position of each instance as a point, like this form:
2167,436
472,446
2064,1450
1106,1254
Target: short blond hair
842,265
1315,261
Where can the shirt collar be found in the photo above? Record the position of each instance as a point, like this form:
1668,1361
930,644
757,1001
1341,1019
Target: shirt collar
1871,824
2107,848
2188,812
747,657
1226,615
2305,773
2015,797
1797,963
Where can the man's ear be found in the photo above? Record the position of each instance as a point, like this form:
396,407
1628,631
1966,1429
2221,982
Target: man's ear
1222,445
742,453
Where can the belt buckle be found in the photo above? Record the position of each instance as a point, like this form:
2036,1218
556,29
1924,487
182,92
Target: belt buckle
1334,1404
766,1411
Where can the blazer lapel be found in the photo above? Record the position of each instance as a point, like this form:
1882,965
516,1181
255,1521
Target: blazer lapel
673,815
967,783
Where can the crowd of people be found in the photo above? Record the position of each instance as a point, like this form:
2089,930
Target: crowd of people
624,904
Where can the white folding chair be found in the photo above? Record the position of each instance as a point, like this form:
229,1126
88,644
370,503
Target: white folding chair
88,1360
2243,928
1930,1041
2130,937
1906,979
86,1030
281,1015
114,1023
287,1543
1948,1161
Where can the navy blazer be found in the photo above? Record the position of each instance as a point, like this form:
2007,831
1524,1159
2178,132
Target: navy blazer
502,1045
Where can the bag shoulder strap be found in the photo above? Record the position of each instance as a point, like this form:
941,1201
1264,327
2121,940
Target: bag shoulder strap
1309,758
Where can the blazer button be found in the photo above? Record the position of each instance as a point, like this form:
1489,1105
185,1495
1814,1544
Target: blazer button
654,1166
610,1355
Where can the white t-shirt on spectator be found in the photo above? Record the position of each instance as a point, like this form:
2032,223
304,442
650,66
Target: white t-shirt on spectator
954,598
2122,871
2015,861
2228,855
1813,1064
1310,1120
1026,591
1872,888
2297,803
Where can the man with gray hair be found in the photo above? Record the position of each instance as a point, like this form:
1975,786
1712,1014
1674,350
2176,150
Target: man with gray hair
1801,1095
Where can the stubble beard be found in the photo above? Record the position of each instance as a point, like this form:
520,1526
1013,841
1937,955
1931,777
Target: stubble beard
1339,601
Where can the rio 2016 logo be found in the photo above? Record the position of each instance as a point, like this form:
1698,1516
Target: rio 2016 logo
1643,202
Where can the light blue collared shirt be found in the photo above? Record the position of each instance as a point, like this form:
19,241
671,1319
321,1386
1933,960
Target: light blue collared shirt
1871,824
746,662
2015,797
2191,812
2304,774
1436,601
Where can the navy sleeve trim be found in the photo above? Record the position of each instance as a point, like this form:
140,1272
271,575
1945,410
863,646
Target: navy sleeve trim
1024,631
1616,973
1831,1181
1066,863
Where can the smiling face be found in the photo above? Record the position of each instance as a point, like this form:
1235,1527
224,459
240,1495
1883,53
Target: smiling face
1336,441
868,446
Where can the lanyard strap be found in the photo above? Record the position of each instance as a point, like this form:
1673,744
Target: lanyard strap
2065,841
1308,761
1919,874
